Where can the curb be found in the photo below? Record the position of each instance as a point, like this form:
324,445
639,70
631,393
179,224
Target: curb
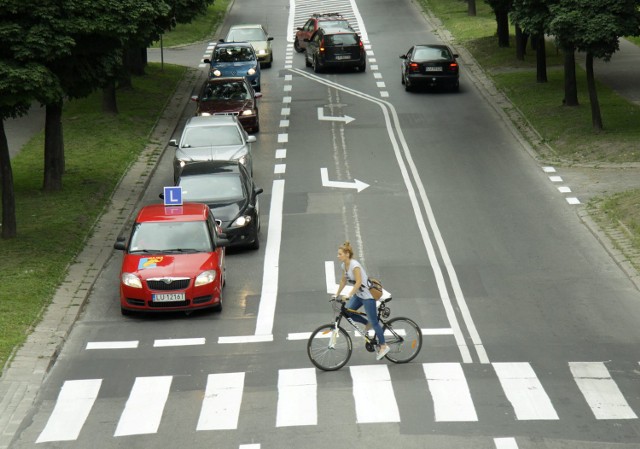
24,374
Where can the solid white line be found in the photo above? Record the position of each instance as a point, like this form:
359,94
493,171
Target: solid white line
179,342
525,392
112,344
269,295
505,443
147,399
245,339
437,331
297,397
373,394
600,391
72,407
451,397
222,399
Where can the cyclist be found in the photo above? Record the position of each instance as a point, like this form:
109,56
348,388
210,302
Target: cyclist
354,274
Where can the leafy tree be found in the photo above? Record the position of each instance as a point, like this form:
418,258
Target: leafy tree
501,10
533,17
595,27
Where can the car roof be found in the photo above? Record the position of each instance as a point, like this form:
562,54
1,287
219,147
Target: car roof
185,213
247,25
211,120
234,44
209,167
432,46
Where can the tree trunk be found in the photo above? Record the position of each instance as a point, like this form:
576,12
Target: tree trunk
109,104
541,59
53,148
9,228
502,19
471,8
521,43
570,83
596,117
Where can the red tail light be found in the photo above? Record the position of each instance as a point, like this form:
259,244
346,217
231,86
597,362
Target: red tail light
453,66
321,49
413,67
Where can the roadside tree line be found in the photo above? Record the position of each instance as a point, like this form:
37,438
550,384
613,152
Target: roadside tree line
67,49
593,27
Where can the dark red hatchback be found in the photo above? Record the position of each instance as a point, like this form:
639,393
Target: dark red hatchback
230,96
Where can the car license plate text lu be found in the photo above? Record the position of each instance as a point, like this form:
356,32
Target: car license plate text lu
168,297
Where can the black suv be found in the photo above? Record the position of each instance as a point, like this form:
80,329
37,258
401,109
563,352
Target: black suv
335,48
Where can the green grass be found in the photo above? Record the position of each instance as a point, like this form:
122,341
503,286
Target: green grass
52,227
199,29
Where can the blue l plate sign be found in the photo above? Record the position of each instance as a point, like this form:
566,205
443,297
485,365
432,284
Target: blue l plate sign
173,196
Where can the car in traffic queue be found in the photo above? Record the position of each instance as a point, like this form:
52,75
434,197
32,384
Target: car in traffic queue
430,65
229,191
257,36
174,260
317,20
212,137
230,96
235,59
335,48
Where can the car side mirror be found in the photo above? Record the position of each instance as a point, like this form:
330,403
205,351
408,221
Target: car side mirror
270,38
258,191
222,242
173,143
403,56
455,55
220,40
258,95
161,196
120,245
251,139
299,28
207,61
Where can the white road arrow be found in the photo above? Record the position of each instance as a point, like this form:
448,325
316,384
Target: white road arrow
358,185
345,119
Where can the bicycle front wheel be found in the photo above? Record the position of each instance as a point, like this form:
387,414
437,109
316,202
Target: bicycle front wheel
329,348
404,338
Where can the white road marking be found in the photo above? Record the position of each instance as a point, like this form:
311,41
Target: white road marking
525,392
555,178
548,169
355,184
279,169
283,138
450,392
245,339
72,408
564,189
345,119
505,443
287,88
281,153
249,446
112,344
373,394
222,400
573,200
284,123
297,398
600,391
380,84
269,294
147,399
384,94
179,342
285,111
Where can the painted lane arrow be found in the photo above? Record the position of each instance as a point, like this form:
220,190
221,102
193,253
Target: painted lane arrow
358,185
346,119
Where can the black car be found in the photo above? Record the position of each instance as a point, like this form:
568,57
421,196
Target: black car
335,48
228,189
430,65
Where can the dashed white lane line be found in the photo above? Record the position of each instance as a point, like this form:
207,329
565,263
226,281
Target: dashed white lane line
505,443
285,111
283,138
112,344
279,169
555,178
179,342
564,189
284,123
281,153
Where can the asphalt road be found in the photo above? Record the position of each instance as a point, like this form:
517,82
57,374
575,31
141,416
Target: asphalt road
531,335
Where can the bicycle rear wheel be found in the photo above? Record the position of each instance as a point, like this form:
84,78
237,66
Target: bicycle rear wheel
329,349
405,341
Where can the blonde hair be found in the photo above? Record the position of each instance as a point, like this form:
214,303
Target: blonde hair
347,249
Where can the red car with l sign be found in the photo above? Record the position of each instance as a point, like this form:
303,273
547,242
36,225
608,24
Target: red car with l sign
174,260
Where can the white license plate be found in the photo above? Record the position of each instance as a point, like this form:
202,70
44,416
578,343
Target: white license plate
167,297
343,57
433,69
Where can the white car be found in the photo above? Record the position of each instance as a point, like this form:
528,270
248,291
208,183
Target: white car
213,138
257,36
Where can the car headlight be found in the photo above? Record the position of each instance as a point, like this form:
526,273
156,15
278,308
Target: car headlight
242,221
251,71
182,163
204,114
243,159
205,278
248,112
262,52
216,72
131,280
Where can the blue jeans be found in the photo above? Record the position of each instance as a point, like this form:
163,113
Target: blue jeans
371,309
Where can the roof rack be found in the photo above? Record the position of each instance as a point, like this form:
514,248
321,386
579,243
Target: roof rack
326,14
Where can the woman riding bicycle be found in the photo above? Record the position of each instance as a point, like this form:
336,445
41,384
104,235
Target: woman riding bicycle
353,273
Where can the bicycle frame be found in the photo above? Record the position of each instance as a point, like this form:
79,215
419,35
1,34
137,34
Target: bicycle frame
344,311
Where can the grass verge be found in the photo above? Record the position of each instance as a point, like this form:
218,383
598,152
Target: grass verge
52,227
566,130
201,28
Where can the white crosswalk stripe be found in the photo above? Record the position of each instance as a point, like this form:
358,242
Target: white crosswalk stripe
298,396
600,391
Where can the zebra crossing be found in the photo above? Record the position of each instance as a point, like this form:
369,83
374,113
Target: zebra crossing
305,8
300,396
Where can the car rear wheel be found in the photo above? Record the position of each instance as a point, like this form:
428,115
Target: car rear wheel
316,65
407,85
306,61
363,67
402,78
297,47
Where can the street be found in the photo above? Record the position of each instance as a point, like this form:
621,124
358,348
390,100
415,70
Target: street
530,328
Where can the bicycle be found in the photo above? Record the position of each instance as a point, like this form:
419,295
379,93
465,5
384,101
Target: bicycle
330,347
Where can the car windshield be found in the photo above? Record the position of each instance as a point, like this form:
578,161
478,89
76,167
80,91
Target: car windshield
233,54
340,39
246,35
204,136
431,54
217,188
226,91
152,237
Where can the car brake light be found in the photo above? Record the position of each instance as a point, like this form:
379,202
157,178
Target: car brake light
322,45
413,67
